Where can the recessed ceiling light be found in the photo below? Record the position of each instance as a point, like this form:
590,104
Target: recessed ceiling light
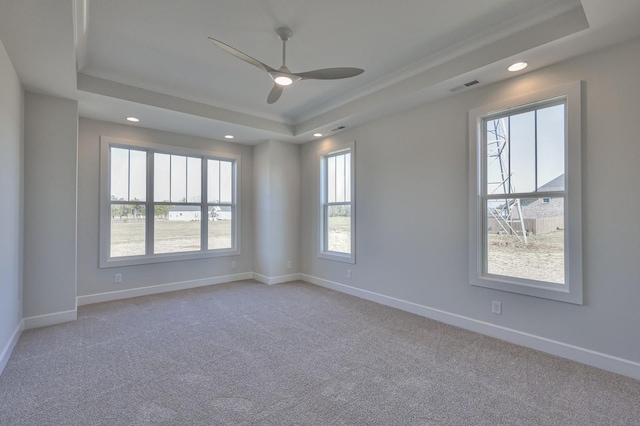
317,135
133,119
228,136
517,66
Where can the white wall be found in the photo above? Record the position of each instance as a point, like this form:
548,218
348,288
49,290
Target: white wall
415,165
11,194
51,134
285,208
261,211
93,280
276,209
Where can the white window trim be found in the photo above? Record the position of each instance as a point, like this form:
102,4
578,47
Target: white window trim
571,291
105,216
322,252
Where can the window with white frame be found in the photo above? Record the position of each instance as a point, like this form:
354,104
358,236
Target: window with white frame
337,193
525,204
161,203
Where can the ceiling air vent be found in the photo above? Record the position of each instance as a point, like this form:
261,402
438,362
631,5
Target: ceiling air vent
465,85
339,128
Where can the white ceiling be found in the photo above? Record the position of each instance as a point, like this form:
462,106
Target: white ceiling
152,59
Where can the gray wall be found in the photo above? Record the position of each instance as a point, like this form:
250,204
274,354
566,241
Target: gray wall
11,194
51,134
91,279
276,208
412,194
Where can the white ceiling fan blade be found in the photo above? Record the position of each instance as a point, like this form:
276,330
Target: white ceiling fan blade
274,94
238,54
330,73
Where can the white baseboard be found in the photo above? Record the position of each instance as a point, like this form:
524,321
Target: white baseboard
50,319
276,280
575,353
8,348
161,288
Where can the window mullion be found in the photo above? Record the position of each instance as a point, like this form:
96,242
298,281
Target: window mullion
129,175
542,194
170,177
509,187
535,147
186,179
150,209
204,203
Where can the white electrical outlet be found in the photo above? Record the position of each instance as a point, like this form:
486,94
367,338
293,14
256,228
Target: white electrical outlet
117,278
233,263
348,273
496,307
289,264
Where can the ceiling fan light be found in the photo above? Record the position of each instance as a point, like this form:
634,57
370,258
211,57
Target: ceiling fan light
283,80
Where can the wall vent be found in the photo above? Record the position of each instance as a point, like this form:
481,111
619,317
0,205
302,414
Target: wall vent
339,128
471,83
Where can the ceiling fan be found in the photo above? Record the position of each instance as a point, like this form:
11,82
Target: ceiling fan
282,76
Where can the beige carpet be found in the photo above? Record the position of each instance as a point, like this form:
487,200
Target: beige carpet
291,354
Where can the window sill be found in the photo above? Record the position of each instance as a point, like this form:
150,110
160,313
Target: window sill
162,258
559,292
345,258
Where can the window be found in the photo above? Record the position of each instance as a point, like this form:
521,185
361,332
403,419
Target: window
191,196
525,206
337,193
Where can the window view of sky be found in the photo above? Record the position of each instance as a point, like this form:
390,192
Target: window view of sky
220,181
338,181
128,174
534,154
177,178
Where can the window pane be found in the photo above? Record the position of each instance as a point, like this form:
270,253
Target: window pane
213,183
178,178
340,179
497,156
220,221
226,182
522,144
339,228
541,256
138,176
176,229
128,228
161,177
347,178
331,179
119,174
194,180
551,135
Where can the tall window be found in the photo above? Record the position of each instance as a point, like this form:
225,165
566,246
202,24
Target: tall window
525,217
337,234
162,203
